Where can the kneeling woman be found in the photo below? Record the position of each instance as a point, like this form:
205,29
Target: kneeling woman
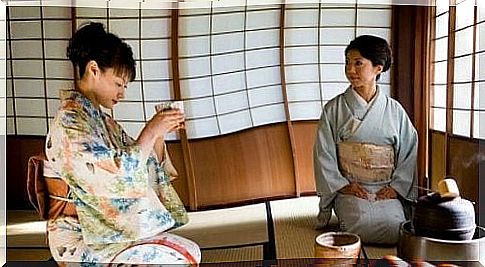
365,150
121,187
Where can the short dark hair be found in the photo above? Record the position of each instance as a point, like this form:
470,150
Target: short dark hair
92,42
373,48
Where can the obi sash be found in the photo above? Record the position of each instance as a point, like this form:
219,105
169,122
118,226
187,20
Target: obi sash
364,162
49,195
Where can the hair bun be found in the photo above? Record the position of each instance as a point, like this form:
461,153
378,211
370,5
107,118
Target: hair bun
92,42
81,44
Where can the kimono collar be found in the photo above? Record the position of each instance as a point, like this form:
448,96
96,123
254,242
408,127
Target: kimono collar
358,105
362,101
78,97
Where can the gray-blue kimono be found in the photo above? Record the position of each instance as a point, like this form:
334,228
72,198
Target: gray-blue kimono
383,122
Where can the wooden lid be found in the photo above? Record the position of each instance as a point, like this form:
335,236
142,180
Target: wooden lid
447,188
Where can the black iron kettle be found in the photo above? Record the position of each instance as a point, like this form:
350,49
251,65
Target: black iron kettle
444,215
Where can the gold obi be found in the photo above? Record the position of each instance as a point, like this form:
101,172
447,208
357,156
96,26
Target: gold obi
363,162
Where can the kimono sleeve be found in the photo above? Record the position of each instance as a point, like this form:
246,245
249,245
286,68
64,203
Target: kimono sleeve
327,175
164,160
404,175
89,162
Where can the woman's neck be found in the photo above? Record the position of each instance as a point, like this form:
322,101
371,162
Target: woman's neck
84,88
366,92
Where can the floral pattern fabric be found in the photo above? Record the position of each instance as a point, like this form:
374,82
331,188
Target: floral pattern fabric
121,196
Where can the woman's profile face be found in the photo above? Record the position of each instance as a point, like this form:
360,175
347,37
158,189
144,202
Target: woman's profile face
110,88
359,70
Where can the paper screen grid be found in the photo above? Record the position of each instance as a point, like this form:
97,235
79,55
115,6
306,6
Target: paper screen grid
467,116
468,83
229,62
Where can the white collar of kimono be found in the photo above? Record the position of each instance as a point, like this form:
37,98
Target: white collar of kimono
362,101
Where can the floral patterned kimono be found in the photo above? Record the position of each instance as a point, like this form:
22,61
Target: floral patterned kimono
124,200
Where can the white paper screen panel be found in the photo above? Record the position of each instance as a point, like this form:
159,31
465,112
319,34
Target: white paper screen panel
439,96
29,88
462,96
315,40
463,68
442,25
479,125
461,122
228,83
229,62
241,58
480,73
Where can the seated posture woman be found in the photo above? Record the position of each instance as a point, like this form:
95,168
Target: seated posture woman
365,150
121,189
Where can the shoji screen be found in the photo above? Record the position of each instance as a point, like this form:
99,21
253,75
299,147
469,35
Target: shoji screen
229,61
457,107
315,39
464,76
148,33
36,41
3,70
479,114
440,63
229,68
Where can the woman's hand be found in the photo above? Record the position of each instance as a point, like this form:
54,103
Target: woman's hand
160,124
355,189
166,121
387,192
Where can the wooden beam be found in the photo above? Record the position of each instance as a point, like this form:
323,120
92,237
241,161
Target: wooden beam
285,98
450,77
186,150
422,88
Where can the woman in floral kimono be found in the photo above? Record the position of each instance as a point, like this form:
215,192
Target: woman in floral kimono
121,188
365,150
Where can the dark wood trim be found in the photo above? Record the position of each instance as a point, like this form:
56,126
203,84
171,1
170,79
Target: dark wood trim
73,30
449,83
10,61
402,43
186,149
44,71
269,250
472,107
430,100
142,84
422,82
289,123
464,167
411,74
437,158
18,150
464,138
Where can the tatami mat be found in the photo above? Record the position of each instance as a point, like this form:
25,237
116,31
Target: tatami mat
25,229
229,227
28,254
238,226
294,222
224,235
250,253
294,226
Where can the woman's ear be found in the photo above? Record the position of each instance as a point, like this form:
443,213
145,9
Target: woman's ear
92,68
379,69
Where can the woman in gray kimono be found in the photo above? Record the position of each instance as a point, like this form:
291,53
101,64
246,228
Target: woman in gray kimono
365,150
